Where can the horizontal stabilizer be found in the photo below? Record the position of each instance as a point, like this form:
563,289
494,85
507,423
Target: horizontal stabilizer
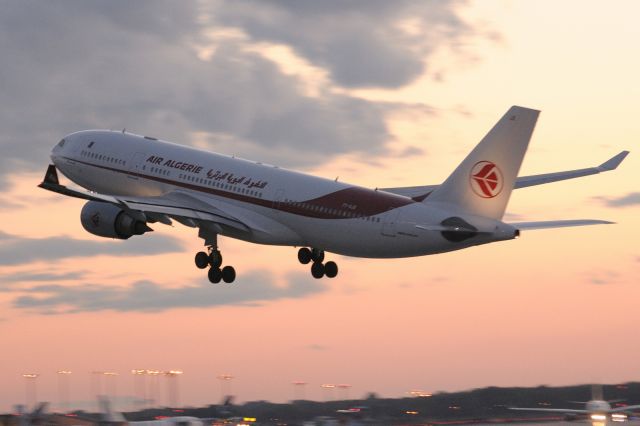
558,223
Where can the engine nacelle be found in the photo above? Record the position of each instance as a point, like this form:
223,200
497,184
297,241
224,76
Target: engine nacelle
108,220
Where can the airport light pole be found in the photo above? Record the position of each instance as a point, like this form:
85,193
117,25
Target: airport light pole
63,389
31,395
139,388
172,384
298,390
225,385
154,384
344,391
111,386
327,390
96,387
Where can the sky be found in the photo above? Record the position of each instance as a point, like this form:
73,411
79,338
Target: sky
379,93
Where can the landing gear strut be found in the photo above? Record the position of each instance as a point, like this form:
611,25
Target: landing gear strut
318,269
213,260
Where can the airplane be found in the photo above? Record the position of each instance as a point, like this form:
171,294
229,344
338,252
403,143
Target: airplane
134,180
109,417
597,409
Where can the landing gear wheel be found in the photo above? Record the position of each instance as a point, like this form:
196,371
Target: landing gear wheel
330,269
304,255
317,270
228,274
317,255
202,260
215,275
215,259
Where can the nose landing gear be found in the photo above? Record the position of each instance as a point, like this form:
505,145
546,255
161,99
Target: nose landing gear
318,269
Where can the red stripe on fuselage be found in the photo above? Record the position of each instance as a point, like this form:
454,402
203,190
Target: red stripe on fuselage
347,203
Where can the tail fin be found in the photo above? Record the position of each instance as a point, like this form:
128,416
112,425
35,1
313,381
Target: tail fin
596,392
482,183
108,416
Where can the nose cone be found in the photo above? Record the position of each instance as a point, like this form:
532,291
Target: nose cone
58,151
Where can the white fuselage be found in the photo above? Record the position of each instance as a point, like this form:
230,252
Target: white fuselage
281,207
172,421
598,406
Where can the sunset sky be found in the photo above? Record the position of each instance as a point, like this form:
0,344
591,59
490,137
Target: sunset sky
379,93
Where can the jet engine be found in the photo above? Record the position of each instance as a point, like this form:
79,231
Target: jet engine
108,220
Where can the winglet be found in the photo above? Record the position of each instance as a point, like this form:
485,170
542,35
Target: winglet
51,176
613,162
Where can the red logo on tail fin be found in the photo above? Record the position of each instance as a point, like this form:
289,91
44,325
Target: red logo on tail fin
486,179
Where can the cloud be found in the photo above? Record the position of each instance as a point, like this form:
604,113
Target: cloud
411,151
316,347
603,277
22,277
629,200
93,64
374,43
15,250
7,204
250,289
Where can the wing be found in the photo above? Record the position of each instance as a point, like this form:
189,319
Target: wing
625,408
611,164
416,193
182,207
551,410
419,193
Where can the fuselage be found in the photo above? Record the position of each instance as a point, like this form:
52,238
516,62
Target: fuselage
282,207
596,406
172,421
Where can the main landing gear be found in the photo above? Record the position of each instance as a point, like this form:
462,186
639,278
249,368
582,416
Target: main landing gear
213,260
318,269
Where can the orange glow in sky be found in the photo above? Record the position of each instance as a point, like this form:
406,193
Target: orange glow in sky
552,307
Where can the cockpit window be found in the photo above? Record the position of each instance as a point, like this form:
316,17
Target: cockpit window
61,143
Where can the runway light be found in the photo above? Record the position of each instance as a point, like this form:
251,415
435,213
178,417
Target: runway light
411,412
419,393
598,417
617,417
